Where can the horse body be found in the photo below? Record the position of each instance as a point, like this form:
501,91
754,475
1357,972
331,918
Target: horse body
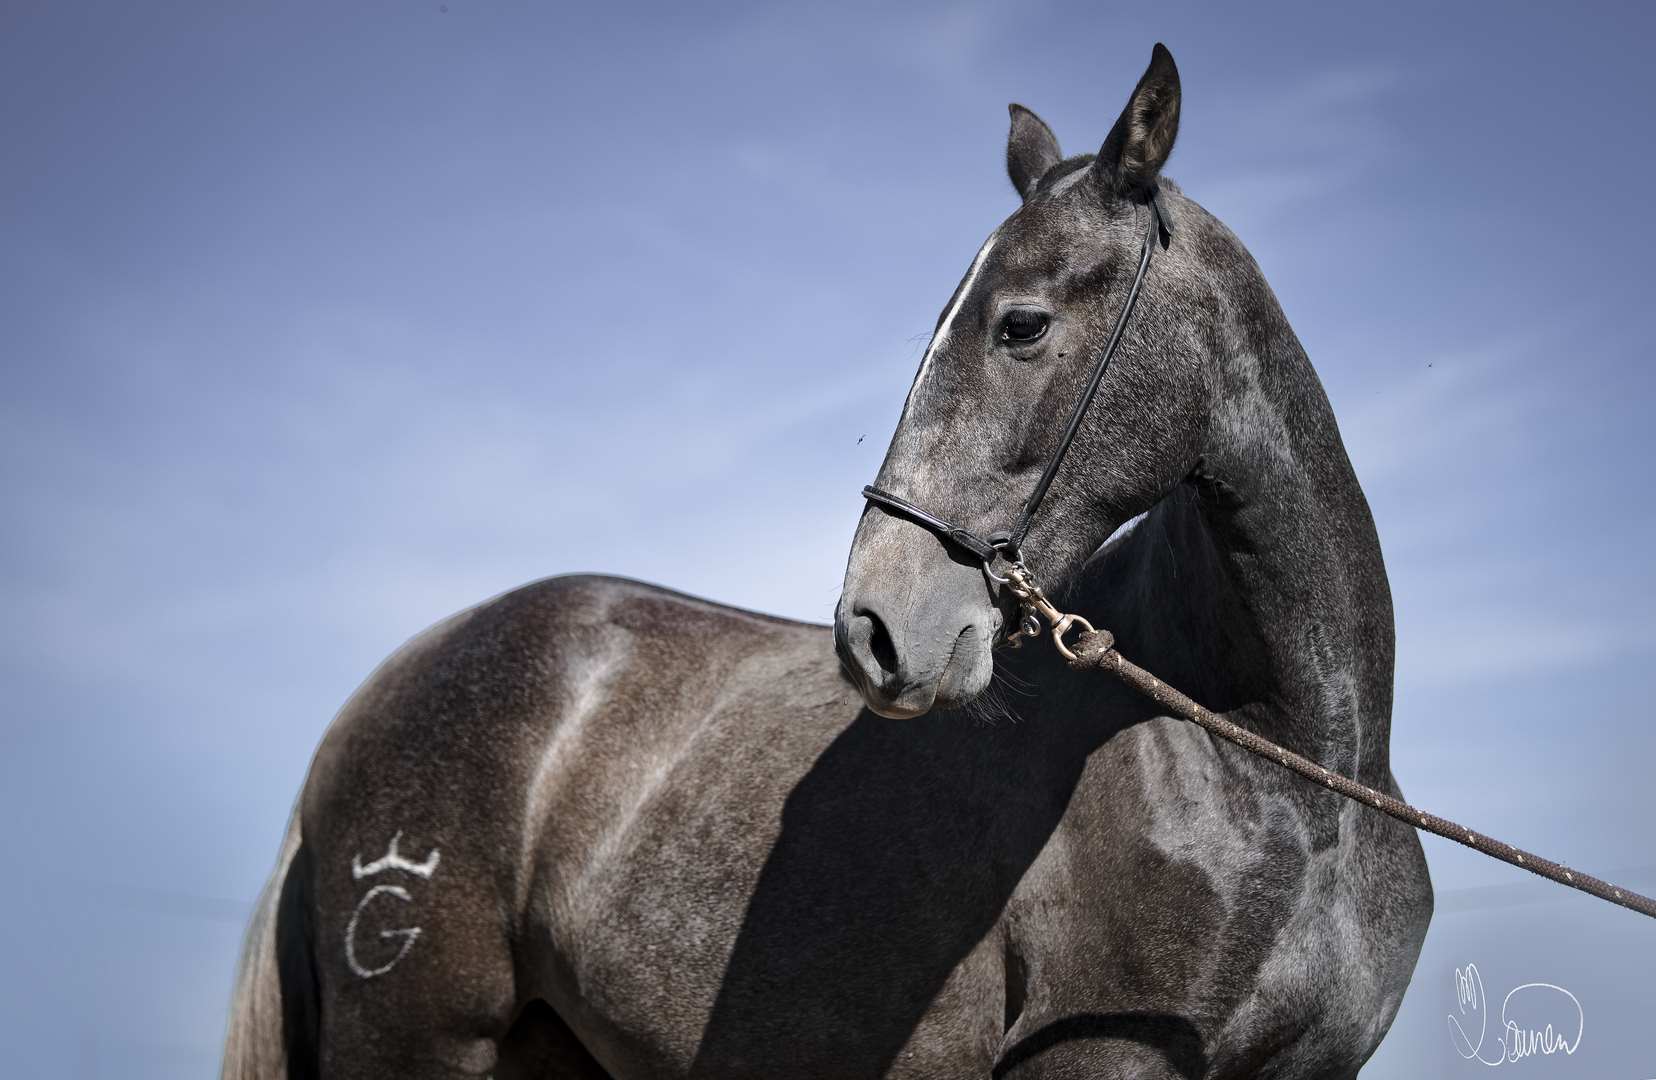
677,825
594,828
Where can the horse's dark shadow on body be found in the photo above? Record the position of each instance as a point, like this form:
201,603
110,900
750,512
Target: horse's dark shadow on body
961,818
920,873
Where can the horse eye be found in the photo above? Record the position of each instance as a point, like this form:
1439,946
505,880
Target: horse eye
1022,325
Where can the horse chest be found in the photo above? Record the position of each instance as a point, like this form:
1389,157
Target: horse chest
1162,888
1190,915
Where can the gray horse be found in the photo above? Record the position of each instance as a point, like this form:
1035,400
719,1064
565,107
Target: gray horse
592,828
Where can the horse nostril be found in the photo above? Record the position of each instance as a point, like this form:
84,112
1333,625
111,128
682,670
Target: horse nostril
879,643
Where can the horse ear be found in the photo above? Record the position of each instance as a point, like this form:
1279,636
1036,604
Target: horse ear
1031,149
1137,147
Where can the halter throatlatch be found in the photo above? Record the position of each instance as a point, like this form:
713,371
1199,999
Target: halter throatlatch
1007,544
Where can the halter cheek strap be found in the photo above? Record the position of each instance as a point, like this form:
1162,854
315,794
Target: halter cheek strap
1006,543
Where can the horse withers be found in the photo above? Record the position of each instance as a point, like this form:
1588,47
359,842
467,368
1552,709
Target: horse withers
593,828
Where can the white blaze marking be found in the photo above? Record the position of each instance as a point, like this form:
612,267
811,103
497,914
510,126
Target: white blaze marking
941,338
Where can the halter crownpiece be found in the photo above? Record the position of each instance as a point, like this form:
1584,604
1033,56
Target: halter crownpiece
1006,543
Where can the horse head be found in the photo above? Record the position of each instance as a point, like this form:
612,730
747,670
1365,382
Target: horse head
1015,347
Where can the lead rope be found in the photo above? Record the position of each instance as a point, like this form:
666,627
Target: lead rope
1095,651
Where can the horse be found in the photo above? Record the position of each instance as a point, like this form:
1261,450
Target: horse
593,828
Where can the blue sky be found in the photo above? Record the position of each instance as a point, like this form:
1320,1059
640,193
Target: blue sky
322,322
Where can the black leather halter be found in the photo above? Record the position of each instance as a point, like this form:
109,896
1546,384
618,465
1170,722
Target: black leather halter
1006,542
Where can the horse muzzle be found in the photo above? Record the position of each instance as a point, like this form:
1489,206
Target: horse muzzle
905,668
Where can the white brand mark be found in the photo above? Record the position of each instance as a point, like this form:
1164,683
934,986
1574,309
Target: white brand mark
391,860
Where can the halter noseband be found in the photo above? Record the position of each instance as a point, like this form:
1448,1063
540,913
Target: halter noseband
1006,543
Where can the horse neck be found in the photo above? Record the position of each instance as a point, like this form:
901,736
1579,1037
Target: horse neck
1258,583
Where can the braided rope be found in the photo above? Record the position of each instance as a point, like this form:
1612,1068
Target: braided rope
1095,650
